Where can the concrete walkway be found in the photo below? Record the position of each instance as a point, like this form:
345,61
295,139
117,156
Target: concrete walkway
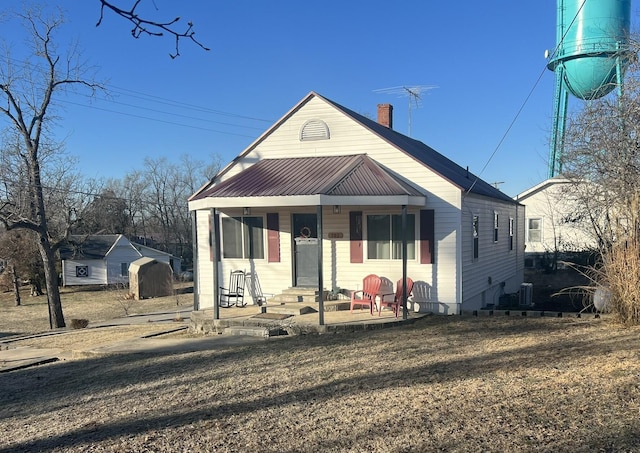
14,357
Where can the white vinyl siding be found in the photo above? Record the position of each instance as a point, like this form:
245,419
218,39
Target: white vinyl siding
441,281
497,263
348,136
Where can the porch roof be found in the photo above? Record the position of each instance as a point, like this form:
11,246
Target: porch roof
303,181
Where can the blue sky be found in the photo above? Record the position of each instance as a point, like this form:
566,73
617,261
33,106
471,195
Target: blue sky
486,59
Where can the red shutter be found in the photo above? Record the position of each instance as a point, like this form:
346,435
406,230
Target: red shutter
214,252
355,236
427,236
273,237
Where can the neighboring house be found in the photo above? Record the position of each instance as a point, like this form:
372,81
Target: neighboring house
555,227
319,200
104,259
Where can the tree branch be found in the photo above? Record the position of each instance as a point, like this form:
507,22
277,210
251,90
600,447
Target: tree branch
142,26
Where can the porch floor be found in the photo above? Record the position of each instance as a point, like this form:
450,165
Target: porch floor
303,319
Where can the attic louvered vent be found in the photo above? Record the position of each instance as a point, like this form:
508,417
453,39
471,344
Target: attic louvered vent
314,130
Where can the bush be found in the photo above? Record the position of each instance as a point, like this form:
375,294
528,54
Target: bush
620,274
79,323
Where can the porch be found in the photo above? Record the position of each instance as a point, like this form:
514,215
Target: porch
295,318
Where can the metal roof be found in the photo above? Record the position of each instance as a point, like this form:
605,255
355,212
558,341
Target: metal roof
432,159
425,155
353,175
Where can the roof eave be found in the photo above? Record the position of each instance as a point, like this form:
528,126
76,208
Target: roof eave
306,200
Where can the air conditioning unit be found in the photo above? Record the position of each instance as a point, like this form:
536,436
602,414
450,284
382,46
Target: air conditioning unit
525,295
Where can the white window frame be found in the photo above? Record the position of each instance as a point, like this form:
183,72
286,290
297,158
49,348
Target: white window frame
475,235
412,246
244,254
511,225
539,230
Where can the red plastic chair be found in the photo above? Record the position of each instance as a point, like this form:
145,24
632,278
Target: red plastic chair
396,303
366,297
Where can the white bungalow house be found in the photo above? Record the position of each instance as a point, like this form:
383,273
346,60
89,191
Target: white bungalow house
104,259
555,226
326,196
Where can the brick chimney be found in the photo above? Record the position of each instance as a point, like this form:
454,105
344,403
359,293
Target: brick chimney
385,115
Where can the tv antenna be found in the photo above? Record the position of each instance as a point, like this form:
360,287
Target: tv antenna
414,93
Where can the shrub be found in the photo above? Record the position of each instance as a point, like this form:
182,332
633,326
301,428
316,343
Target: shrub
79,323
620,274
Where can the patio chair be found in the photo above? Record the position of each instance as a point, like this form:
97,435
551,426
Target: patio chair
255,290
396,303
366,297
234,294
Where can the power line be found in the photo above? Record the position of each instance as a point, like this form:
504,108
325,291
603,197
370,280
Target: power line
524,103
24,65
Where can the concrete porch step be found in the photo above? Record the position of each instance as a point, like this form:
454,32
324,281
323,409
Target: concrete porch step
290,309
253,331
299,295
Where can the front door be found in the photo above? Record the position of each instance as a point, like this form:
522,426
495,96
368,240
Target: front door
305,250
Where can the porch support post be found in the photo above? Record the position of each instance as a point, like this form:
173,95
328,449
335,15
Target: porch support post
404,261
320,283
214,245
194,245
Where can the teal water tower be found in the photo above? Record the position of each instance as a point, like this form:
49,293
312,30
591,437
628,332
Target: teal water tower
589,58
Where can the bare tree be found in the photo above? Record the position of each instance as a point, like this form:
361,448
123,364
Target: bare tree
156,198
28,90
602,157
18,249
144,26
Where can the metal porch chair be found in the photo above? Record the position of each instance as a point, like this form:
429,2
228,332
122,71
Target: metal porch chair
234,294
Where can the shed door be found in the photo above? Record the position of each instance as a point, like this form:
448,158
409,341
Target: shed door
305,250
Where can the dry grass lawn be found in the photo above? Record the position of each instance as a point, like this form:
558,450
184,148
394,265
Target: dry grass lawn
77,303
442,384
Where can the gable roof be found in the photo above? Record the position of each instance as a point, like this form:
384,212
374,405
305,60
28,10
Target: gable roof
91,247
559,179
352,175
146,249
445,167
425,155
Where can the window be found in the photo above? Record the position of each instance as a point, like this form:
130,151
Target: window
495,226
510,233
476,237
384,237
242,237
124,269
82,271
534,230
